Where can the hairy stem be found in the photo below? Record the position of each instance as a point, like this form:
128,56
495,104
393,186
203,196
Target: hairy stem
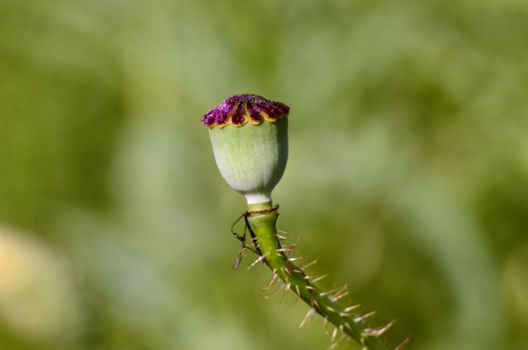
261,220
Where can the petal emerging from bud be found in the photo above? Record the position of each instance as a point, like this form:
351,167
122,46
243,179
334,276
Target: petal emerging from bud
249,135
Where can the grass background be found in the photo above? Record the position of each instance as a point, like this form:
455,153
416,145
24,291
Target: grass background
408,170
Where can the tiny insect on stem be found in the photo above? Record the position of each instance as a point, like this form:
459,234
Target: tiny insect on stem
243,241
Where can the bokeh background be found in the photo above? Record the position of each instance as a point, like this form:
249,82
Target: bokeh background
407,177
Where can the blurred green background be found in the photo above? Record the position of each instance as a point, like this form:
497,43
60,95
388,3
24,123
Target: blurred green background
408,170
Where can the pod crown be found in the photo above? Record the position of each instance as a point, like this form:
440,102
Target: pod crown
239,110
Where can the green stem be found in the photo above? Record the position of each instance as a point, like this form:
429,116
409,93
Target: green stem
262,220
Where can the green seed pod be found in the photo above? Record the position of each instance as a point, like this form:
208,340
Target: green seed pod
249,135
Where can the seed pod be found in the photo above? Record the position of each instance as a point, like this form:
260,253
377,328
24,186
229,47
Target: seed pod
249,135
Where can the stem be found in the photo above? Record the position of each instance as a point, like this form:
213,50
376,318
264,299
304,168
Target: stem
261,220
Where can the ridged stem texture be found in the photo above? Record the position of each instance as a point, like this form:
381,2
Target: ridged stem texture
261,223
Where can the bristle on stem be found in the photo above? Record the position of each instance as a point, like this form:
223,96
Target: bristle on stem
310,264
377,332
334,335
307,317
275,292
256,262
319,278
403,343
352,308
272,281
361,319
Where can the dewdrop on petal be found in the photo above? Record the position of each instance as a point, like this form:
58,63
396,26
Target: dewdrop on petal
249,135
